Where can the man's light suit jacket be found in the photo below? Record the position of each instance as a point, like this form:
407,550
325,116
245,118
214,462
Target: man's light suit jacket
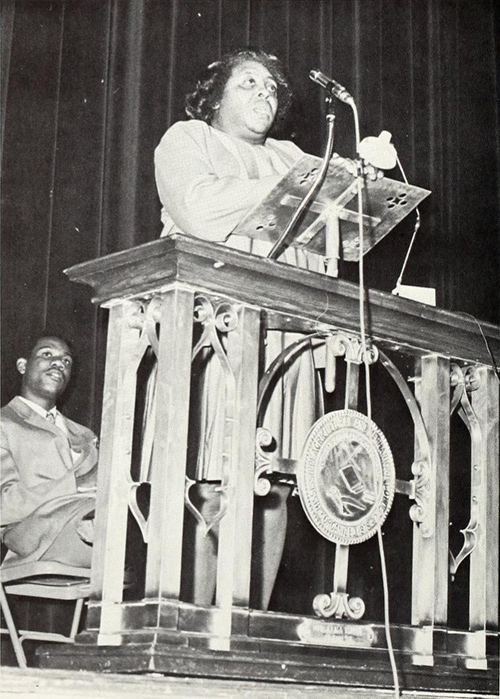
38,479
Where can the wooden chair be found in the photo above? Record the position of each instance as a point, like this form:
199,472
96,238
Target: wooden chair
44,580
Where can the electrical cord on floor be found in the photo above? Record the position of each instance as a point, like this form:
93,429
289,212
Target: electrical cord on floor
364,346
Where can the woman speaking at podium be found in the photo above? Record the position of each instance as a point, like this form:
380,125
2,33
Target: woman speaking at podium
211,171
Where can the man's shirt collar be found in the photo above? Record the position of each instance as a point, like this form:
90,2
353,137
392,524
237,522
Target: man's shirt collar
38,408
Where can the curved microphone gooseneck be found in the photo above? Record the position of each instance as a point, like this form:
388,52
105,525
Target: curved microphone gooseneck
287,236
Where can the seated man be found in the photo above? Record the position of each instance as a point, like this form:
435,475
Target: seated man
48,466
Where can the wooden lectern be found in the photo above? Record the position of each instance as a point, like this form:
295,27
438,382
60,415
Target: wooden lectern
157,294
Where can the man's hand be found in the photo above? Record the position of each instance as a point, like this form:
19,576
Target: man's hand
85,530
87,482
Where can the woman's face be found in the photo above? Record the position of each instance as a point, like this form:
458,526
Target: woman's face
249,103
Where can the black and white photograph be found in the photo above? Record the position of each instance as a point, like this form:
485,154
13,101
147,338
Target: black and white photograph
250,345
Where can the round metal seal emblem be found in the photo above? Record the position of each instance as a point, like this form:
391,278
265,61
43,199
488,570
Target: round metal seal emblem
346,477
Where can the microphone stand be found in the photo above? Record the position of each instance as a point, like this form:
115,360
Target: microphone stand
286,237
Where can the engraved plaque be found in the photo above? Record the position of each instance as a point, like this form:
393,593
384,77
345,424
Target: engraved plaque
346,477
328,633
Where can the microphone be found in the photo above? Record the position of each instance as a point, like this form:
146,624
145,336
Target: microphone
332,86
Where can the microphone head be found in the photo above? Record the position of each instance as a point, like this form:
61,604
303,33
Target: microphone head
318,77
378,151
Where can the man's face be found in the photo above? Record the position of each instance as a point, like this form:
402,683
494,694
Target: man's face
46,372
249,103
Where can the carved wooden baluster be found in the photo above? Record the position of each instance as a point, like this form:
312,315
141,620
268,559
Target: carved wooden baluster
166,517
486,402
113,485
235,533
483,596
430,536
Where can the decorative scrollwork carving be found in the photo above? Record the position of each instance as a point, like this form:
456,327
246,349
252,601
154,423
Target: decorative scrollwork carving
457,383
141,315
463,380
371,355
263,468
471,535
456,375
223,318
142,522
340,344
135,314
202,309
153,316
421,490
210,524
226,317
217,318
472,379
338,604
466,380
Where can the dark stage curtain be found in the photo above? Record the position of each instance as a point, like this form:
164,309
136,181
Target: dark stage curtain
89,86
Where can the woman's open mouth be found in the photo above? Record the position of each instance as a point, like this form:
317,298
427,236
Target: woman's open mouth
263,109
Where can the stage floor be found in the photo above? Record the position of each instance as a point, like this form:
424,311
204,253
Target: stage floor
55,684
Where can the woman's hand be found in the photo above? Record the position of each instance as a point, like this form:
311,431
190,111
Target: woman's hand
369,171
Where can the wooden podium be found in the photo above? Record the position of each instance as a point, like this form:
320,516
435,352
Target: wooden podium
156,295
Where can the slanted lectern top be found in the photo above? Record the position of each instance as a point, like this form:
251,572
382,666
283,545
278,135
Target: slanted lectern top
385,203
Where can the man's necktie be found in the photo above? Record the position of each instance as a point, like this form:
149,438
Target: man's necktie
52,419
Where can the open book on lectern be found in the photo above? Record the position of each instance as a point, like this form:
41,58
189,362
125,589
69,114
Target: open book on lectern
385,203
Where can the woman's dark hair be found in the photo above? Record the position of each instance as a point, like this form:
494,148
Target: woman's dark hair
202,102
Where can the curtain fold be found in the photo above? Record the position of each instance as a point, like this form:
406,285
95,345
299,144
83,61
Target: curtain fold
90,86
6,29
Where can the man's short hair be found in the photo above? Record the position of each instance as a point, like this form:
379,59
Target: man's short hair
30,342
